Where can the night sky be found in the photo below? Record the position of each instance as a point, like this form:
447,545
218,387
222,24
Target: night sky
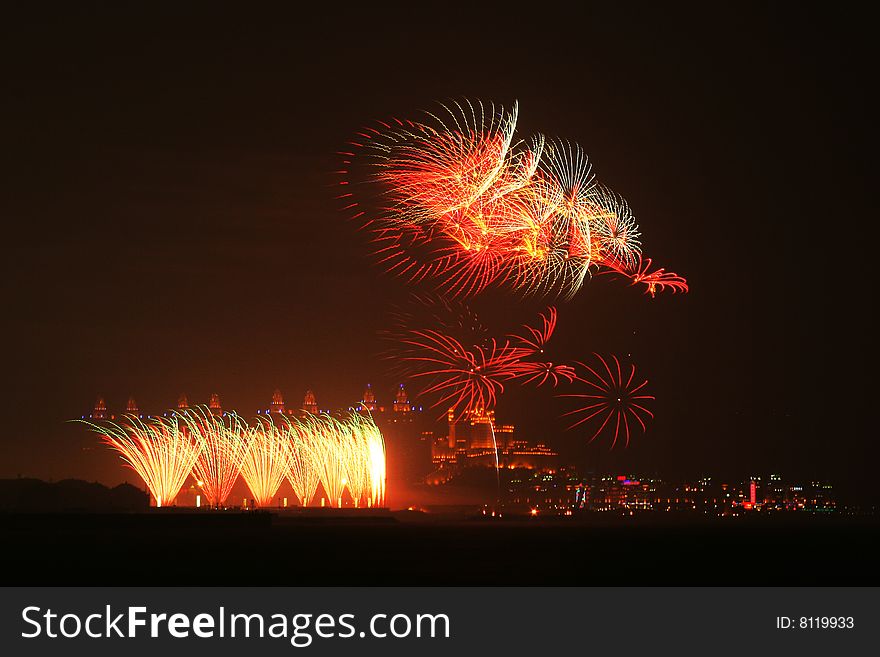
170,223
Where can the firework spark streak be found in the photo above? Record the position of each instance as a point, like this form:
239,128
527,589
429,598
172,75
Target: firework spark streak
340,454
265,460
302,474
223,446
639,272
329,450
613,396
459,202
159,450
469,377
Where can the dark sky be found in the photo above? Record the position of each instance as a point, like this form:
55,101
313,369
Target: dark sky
170,224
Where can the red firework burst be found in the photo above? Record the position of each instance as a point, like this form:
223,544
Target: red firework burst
655,281
466,378
540,373
470,376
613,396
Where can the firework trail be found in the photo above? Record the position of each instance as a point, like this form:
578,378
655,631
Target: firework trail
302,474
375,461
456,200
341,454
357,471
346,453
159,450
265,459
613,396
329,448
223,446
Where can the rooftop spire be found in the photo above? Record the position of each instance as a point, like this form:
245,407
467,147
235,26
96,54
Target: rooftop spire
277,405
309,403
369,400
99,412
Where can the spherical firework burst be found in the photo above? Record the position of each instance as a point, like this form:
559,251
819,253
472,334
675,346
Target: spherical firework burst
458,201
613,398
160,450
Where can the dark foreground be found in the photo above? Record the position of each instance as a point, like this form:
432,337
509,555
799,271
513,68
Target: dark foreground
379,549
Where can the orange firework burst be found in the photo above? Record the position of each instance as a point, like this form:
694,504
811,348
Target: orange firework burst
458,201
614,397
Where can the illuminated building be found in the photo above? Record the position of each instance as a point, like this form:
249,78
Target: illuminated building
405,428
470,443
623,493
774,493
131,406
402,407
99,412
309,403
277,405
504,436
473,430
480,423
182,402
820,497
750,497
615,493
796,498
536,493
521,454
369,401
214,404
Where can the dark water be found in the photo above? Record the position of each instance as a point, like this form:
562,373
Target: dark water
414,549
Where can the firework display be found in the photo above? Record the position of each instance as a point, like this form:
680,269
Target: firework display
265,460
302,473
456,201
468,377
223,449
159,450
345,453
340,454
613,397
